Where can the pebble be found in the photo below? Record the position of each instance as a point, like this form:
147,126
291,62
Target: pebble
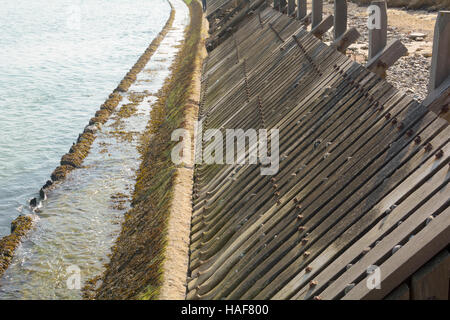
408,72
417,36
33,202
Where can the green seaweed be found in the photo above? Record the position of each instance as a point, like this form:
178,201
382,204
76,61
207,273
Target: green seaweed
8,244
135,268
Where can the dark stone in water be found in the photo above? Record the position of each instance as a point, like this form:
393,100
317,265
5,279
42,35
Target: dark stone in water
33,202
42,193
13,227
48,184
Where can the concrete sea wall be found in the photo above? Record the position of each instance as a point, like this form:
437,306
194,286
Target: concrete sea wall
150,257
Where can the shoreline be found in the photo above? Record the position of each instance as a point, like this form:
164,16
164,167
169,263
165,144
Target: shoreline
72,160
155,234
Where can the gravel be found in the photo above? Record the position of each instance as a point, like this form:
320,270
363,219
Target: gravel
409,74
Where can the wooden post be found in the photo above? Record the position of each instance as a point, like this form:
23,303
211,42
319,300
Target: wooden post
301,9
431,282
317,13
440,63
282,5
377,27
340,18
401,293
291,7
276,4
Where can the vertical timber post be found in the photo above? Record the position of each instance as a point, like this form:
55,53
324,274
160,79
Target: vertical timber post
291,7
377,25
317,13
276,4
301,9
340,18
440,63
282,5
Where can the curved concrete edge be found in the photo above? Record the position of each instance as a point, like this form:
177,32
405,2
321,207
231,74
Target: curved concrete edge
175,266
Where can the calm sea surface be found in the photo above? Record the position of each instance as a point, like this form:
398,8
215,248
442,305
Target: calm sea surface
59,60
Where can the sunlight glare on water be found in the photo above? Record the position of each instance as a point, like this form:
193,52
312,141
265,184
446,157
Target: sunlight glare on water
59,61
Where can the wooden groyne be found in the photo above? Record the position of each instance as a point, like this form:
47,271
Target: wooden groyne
359,208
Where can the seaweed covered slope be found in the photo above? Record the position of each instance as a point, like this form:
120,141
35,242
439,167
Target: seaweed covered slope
135,270
79,150
362,179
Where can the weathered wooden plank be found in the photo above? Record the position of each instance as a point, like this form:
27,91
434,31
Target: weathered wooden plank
323,27
431,282
348,38
387,245
401,293
422,247
347,153
327,230
346,258
386,57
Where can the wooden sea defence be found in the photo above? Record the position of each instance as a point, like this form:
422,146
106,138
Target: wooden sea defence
359,208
